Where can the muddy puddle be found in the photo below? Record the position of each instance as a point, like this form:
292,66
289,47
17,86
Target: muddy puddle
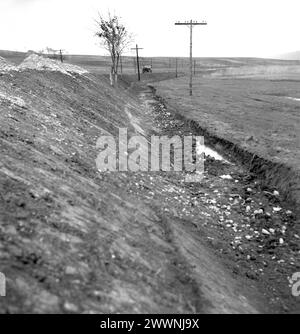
149,103
210,153
293,98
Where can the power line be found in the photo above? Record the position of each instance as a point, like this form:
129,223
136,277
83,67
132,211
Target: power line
191,24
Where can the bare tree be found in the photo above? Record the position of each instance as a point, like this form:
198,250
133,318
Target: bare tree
115,39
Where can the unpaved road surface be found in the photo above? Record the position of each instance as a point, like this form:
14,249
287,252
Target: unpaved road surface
74,240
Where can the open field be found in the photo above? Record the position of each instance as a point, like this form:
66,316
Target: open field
101,64
168,64
260,115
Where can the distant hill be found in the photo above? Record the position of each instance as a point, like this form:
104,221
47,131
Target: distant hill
13,56
291,56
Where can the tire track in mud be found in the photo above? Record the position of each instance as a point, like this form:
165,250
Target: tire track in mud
184,270
214,291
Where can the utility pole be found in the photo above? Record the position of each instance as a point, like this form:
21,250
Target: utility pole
191,23
121,64
61,56
138,61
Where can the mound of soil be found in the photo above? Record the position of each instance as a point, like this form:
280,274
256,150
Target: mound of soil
36,62
5,66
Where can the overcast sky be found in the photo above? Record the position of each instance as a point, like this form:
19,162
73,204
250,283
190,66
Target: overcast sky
259,28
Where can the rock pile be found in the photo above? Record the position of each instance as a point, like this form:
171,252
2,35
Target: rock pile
36,62
5,66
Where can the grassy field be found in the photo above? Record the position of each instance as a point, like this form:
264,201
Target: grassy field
260,114
101,64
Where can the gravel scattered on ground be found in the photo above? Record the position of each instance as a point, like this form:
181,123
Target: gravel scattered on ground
5,98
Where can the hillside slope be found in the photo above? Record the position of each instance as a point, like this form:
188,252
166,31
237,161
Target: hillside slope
74,240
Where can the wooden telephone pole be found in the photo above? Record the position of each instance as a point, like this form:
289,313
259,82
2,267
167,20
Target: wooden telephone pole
191,23
61,57
138,60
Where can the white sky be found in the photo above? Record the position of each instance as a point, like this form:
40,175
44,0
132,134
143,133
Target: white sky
259,28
